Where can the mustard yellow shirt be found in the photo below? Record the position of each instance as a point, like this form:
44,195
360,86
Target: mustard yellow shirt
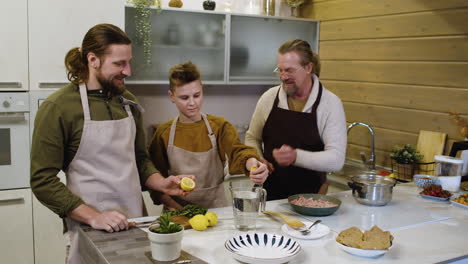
194,137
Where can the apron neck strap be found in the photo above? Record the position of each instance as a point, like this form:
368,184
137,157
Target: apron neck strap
84,101
207,124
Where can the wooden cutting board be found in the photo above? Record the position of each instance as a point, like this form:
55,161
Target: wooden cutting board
431,143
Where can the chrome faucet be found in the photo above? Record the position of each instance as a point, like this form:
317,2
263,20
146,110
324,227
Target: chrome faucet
371,162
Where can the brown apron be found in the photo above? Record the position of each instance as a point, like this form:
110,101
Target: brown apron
298,130
104,171
206,166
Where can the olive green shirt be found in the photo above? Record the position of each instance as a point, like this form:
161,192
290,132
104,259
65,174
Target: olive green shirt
57,135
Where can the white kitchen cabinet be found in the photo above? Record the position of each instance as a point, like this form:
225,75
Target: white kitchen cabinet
16,227
56,26
228,48
14,46
49,243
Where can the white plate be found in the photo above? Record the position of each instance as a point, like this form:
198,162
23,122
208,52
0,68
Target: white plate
367,253
316,232
459,204
262,248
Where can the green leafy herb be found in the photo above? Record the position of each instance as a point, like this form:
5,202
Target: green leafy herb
166,226
189,211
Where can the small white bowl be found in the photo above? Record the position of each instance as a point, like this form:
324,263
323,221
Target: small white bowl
423,180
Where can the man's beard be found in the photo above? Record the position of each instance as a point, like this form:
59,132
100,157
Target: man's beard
290,91
109,86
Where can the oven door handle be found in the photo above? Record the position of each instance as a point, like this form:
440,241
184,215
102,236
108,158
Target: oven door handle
12,117
12,198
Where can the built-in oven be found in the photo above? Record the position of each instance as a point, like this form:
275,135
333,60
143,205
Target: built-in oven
14,140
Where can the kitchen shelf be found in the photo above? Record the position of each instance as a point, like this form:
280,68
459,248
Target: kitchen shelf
242,51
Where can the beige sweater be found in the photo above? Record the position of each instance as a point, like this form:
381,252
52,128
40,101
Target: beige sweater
331,124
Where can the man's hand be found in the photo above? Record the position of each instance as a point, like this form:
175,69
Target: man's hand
171,185
111,221
258,171
285,155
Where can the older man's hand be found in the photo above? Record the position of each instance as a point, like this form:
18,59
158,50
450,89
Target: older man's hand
285,156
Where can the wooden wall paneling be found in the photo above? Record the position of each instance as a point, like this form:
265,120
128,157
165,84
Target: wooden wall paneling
400,119
382,157
419,73
342,9
437,99
407,49
433,23
385,139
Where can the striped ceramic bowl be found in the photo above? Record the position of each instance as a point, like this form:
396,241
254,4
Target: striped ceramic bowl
423,180
262,248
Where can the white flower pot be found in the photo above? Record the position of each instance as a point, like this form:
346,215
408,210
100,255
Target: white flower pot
165,247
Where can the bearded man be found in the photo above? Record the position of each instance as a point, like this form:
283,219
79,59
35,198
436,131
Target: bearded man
298,126
92,129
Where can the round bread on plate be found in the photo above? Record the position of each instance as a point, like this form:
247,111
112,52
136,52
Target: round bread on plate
314,204
371,243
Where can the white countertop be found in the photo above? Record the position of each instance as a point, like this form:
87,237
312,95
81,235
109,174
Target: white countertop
425,231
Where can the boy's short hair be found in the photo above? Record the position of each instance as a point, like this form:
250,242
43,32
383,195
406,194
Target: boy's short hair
183,73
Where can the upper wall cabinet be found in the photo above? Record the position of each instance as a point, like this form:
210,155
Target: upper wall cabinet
14,45
227,48
56,26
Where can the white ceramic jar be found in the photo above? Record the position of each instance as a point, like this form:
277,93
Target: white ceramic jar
165,247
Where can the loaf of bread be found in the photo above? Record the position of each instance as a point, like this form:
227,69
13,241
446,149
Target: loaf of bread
374,239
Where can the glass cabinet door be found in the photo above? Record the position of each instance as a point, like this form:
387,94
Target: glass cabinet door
177,37
254,42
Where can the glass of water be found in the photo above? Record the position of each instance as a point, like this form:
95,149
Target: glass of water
247,202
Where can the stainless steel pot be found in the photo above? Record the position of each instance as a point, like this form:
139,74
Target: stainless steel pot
371,189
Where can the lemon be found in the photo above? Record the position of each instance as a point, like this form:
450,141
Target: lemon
391,175
199,222
253,168
187,184
212,218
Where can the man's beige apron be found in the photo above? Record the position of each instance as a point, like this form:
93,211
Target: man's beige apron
206,166
104,172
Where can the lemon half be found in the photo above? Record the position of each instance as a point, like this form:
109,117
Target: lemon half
187,184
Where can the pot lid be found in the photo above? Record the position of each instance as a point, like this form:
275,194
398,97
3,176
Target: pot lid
373,179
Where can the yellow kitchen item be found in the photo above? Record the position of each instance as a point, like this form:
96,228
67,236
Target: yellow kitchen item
253,168
430,143
199,222
187,184
288,220
212,218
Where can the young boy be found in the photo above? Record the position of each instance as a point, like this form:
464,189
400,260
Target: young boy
198,144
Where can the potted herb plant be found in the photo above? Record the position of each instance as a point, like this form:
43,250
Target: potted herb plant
166,239
406,158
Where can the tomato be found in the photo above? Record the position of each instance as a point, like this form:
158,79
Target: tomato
383,172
